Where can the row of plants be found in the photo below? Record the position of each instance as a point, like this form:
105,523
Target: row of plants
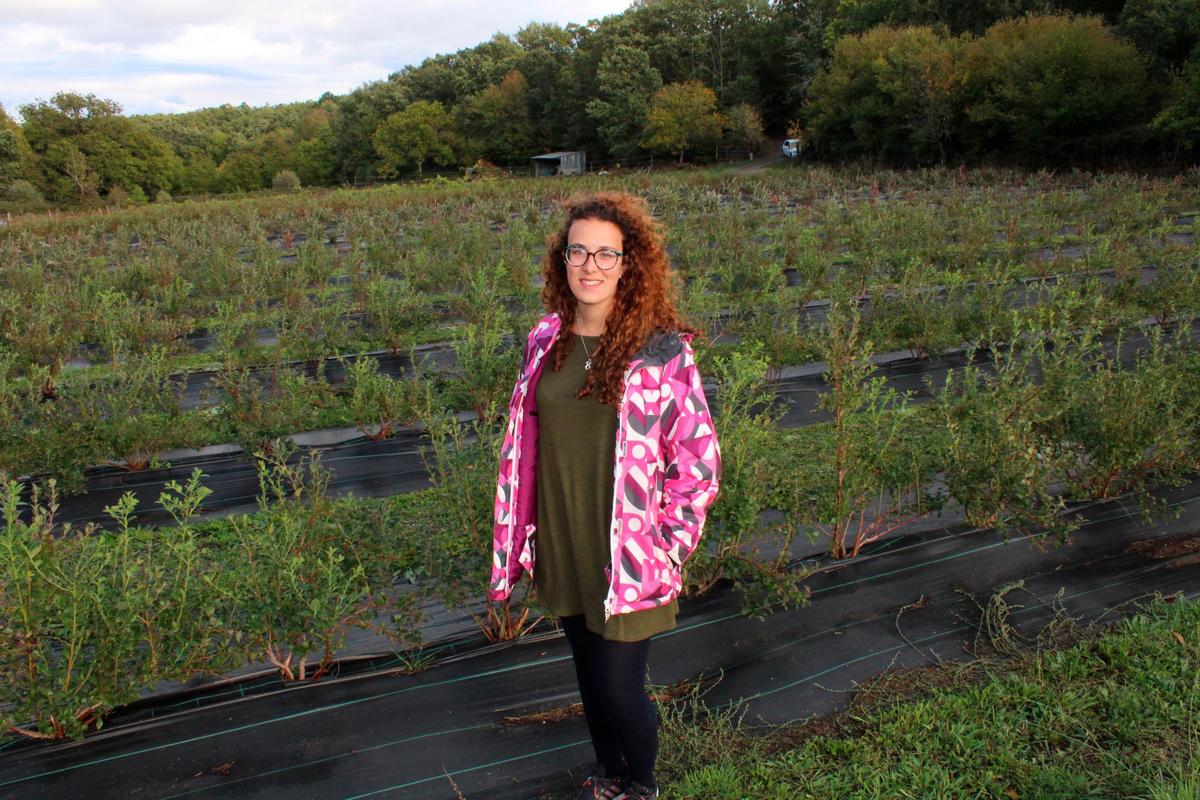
124,298
91,619
46,322
397,314
125,420
910,314
1055,418
60,427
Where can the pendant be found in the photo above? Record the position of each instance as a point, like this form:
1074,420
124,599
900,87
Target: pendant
587,364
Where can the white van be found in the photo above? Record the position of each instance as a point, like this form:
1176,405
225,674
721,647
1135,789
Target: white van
791,147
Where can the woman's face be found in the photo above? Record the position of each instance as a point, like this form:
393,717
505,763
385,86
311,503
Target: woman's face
591,285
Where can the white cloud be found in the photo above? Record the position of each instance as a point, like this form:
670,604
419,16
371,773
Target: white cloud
165,56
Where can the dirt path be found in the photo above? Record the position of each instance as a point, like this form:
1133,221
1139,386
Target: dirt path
760,163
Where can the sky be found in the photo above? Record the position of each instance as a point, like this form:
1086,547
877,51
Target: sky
156,56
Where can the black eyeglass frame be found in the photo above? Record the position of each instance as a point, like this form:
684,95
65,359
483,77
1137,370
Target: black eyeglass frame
590,254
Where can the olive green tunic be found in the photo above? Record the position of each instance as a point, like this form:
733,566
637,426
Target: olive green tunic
576,450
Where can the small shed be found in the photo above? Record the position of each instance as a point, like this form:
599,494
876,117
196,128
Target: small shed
567,162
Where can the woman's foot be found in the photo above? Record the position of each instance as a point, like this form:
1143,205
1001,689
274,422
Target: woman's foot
636,791
598,787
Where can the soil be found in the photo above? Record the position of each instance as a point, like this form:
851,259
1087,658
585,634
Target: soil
1167,548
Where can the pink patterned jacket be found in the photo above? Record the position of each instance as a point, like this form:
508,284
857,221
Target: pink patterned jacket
666,473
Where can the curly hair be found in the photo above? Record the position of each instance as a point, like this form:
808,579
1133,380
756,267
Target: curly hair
647,293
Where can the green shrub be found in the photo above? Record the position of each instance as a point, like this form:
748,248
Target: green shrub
285,181
131,415
234,333
891,93
909,315
89,619
95,419
396,312
50,443
254,412
117,197
878,461
1173,295
999,458
56,651
33,325
293,582
776,322
311,329
463,459
125,324
21,195
1129,428
379,402
746,415
979,310
1049,87
486,365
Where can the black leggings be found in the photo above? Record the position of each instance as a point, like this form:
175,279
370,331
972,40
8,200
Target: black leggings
620,717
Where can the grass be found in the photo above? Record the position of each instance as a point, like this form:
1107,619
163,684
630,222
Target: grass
1110,712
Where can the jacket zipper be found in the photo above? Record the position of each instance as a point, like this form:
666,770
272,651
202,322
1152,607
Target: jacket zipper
519,422
610,600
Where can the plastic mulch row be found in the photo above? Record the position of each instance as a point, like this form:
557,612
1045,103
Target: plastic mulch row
909,601
390,466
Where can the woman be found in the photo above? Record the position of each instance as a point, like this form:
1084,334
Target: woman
609,463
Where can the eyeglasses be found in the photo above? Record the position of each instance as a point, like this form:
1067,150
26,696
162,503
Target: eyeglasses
577,255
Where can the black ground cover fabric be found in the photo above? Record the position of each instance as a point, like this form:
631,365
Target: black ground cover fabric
368,468
906,601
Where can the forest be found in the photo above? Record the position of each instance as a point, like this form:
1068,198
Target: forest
1092,83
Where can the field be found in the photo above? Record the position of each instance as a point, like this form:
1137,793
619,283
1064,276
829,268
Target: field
886,353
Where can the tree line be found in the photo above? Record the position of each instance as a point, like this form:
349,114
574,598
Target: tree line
900,81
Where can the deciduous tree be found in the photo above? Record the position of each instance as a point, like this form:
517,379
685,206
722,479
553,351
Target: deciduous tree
891,92
681,117
241,172
1051,87
547,50
83,146
1180,115
744,128
15,155
422,132
498,122
626,81
1167,31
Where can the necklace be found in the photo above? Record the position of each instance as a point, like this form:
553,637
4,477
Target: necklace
586,364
